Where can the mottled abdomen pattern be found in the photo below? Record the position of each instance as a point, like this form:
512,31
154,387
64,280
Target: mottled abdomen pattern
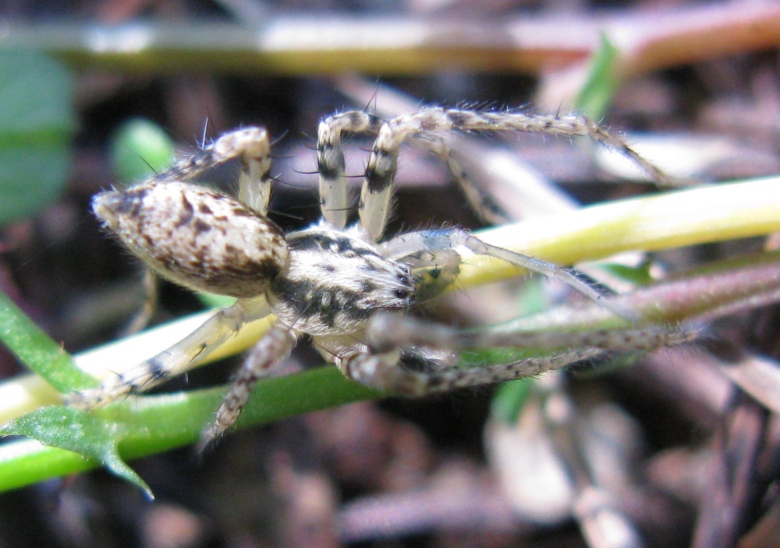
196,237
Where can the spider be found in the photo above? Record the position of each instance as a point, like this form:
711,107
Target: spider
344,286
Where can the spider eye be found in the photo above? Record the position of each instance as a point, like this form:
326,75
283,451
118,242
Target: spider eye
401,293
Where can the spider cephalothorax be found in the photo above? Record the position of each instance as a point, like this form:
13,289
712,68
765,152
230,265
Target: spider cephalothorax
343,286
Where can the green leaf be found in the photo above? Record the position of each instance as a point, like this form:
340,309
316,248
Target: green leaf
80,432
212,300
140,148
532,297
149,425
639,275
38,351
36,123
602,82
510,398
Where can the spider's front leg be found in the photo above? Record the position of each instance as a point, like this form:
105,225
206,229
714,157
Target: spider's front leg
387,331
375,195
434,259
383,370
388,334
432,246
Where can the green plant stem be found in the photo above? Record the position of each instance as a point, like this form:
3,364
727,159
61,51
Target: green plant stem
159,423
650,223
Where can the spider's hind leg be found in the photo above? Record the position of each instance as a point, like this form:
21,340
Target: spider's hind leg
173,361
143,315
250,145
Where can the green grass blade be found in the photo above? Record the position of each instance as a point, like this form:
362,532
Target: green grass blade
38,351
154,424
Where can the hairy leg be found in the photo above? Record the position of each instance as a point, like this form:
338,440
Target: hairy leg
176,359
274,347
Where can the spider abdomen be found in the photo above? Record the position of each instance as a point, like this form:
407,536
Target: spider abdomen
335,281
196,237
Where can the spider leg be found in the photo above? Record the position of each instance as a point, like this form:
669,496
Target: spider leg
567,276
382,371
387,333
251,146
143,315
334,201
481,202
374,207
274,347
175,360
567,125
431,245
254,181
383,162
